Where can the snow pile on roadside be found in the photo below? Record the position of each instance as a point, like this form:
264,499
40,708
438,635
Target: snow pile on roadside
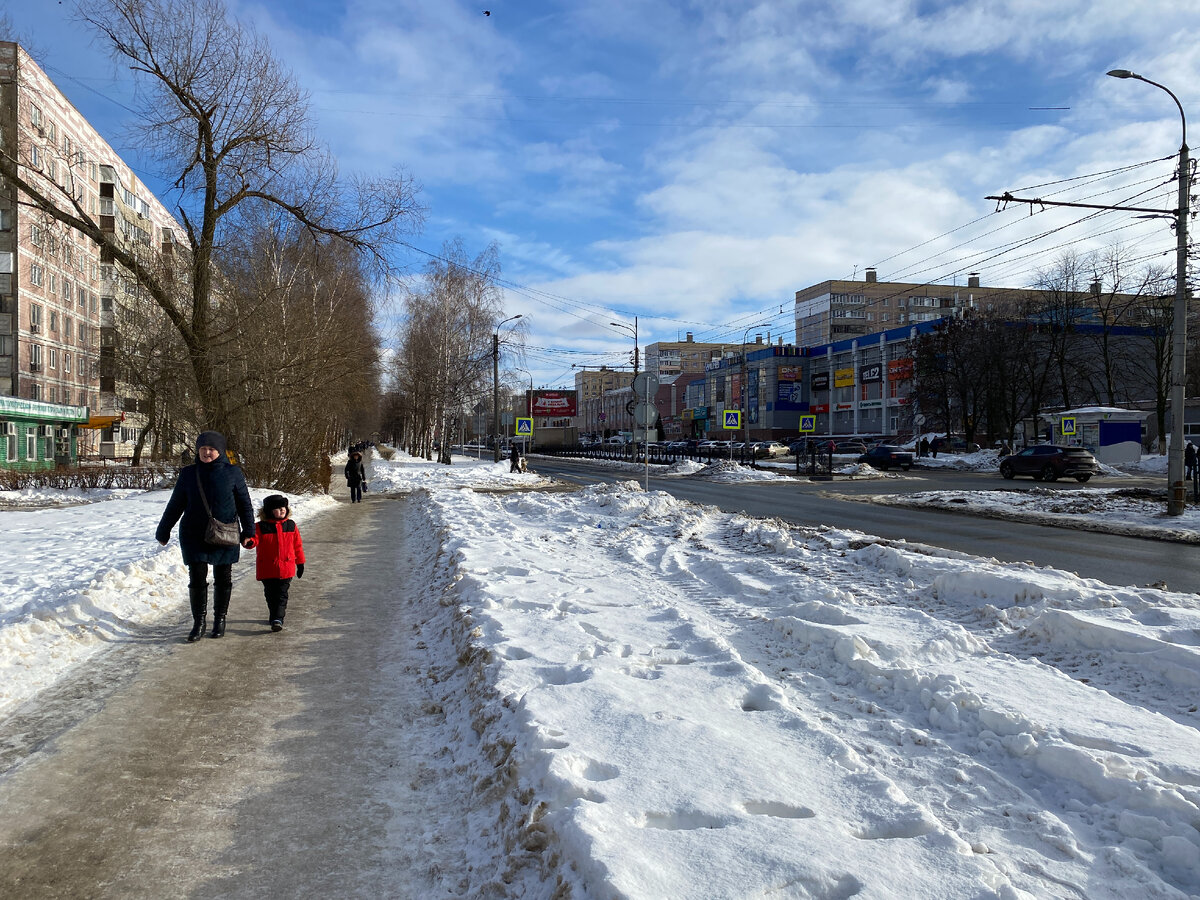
729,471
866,470
979,461
41,498
685,703
1134,511
78,578
404,473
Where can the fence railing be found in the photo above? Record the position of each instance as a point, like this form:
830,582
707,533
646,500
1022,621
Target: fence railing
817,461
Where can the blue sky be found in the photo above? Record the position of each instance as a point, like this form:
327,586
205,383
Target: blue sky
695,162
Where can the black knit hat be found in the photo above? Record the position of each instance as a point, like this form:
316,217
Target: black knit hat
213,439
275,501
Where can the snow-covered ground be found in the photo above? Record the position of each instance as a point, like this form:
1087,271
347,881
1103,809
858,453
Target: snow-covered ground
689,703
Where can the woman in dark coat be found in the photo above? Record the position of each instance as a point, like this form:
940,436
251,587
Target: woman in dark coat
225,490
356,476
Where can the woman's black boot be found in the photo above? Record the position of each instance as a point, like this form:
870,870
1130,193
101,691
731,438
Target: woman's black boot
199,600
221,594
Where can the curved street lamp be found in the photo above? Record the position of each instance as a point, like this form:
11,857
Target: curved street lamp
496,385
1176,488
632,329
743,403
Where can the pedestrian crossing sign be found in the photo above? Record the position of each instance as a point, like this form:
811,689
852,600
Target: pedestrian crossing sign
808,424
1068,425
524,426
733,419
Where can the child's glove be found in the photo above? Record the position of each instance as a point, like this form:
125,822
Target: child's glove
299,570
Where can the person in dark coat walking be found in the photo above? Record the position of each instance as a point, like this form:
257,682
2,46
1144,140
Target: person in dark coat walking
224,488
1189,459
514,459
356,476
280,555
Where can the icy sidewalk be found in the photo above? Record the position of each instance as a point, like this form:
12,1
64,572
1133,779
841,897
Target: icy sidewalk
686,703
77,580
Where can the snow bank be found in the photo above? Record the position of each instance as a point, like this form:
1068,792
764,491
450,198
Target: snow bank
690,704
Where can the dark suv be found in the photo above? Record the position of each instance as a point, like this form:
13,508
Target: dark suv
1049,462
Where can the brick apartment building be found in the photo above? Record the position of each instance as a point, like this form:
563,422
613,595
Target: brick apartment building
60,297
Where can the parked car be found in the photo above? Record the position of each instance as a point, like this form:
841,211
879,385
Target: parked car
616,439
845,447
884,456
1049,462
768,449
952,445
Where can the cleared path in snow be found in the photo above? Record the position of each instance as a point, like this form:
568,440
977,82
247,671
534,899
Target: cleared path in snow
307,763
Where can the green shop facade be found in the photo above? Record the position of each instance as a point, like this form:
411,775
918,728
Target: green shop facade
35,435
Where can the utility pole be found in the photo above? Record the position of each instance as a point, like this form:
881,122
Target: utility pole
1176,487
496,396
496,385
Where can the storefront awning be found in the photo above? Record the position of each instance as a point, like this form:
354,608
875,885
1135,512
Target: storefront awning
102,421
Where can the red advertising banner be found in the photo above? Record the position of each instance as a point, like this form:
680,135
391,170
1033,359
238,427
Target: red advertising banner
557,404
900,369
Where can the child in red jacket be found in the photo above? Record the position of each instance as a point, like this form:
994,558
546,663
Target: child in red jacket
280,555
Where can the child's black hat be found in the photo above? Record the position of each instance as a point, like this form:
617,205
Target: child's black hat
275,501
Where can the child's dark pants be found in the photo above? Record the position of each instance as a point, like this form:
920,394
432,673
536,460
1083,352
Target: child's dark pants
276,591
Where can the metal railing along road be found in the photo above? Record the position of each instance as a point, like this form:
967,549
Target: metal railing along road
817,461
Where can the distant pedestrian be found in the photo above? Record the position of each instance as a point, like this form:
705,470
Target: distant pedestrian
356,476
280,556
923,447
1189,459
211,489
514,459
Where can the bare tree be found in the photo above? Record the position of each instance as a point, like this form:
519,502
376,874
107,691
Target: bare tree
221,114
446,344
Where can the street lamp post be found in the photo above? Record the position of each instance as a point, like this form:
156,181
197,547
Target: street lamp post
529,404
634,331
496,385
743,405
1176,488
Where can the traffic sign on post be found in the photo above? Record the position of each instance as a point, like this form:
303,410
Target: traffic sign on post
645,414
1068,425
524,426
808,424
645,384
733,419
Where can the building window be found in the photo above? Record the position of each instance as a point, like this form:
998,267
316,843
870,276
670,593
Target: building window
37,237
30,445
35,156
67,291
35,391
52,355
11,439
35,115
35,274
35,317
66,364
6,219
53,283
54,321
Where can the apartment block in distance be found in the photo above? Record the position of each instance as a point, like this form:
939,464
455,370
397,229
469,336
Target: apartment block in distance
837,310
60,297
690,357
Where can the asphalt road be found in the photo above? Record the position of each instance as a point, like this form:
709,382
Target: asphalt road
1114,559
